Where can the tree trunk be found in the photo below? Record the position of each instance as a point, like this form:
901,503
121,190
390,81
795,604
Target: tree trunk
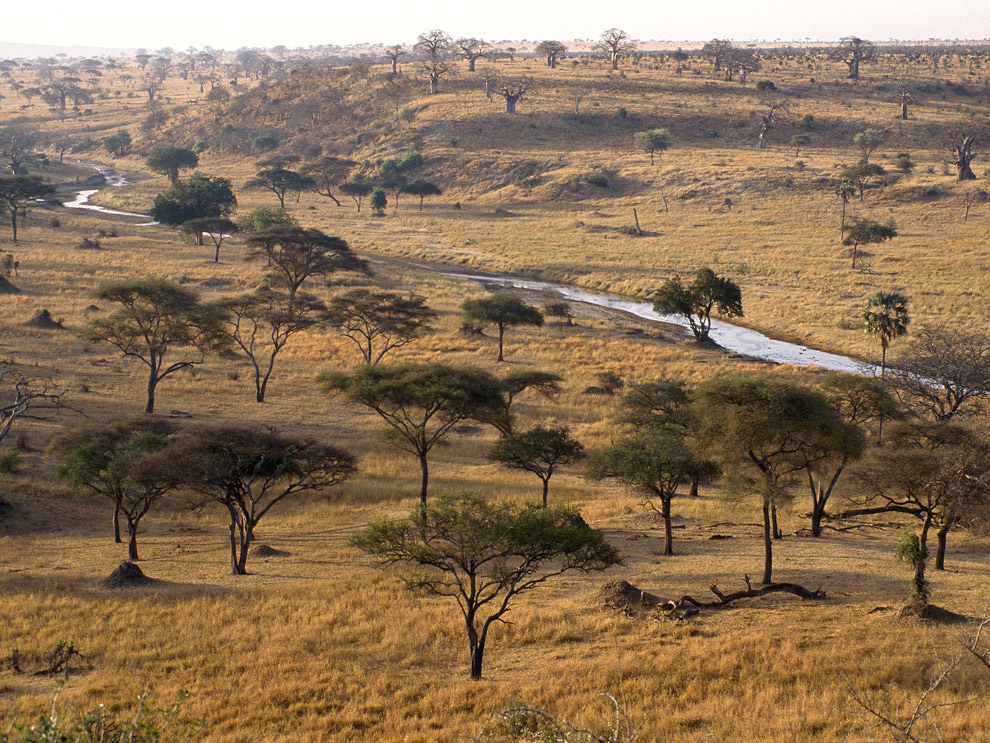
216,255
246,538
477,645
546,487
116,523
767,546
510,104
149,406
942,533
615,61
234,563
904,111
395,69
694,485
471,62
963,170
434,86
773,521
853,69
425,479
501,334
668,530
13,223
816,519
132,529
919,568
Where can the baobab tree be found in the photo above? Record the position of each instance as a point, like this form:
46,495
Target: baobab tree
392,54
853,51
767,122
513,91
472,50
615,43
905,100
962,155
435,45
552,50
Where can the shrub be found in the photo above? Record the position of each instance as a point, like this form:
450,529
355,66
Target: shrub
599,180
623,113
765,85
8,462
264,143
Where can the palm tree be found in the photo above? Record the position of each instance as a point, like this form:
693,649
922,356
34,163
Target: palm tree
844,188
886,318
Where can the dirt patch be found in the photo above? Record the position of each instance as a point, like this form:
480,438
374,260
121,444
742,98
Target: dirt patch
127,575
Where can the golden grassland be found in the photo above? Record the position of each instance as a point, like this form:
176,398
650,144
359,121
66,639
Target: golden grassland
321,645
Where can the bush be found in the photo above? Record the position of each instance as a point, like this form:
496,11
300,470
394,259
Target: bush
411,161
8,462
200,146
623,113
765,85
264,143
597,179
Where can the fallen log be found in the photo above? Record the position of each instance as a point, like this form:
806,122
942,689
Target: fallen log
689,605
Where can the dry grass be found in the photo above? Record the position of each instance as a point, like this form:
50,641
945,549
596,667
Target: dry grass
320,645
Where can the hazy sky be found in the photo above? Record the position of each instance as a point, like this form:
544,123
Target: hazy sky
231,24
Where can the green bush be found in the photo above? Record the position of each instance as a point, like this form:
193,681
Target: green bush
597,179
264,143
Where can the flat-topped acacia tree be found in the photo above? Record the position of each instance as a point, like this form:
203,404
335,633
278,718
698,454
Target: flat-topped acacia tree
154,320
295,254
503,311
707,293
421,404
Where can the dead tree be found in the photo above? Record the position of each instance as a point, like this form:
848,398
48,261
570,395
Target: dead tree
961,156
688,606
905,100
769,122
472,50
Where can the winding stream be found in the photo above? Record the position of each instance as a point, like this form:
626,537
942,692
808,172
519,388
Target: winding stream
732,338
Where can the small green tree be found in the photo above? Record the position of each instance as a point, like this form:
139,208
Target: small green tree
118,144
869,140
539,450
169,160
19,192
109,461
867,232
357,189
379,202
707,293
503,311
485,554
862,174
154,319
421,404
261,218
652,141
656,461
194,198
421,188
218,228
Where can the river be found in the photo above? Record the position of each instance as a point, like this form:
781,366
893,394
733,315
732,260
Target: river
733,338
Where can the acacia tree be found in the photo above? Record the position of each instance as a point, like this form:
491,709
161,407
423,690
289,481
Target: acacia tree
485,554
707,293
539,450
379,322
20,191
861,174
944,372
434,45
652,141
503,311
615,43
357,189
759,429
109,461
421,404
869,140
421,188
170,160
326,173
261,324
249,471
472,50
281,182
17,142
858,402
867,232
295,254
154,319
854,51
656,461
218,228
552,50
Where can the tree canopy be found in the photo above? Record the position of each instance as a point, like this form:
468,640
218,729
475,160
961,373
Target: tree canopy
696,302
503,311
169,160
196,197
